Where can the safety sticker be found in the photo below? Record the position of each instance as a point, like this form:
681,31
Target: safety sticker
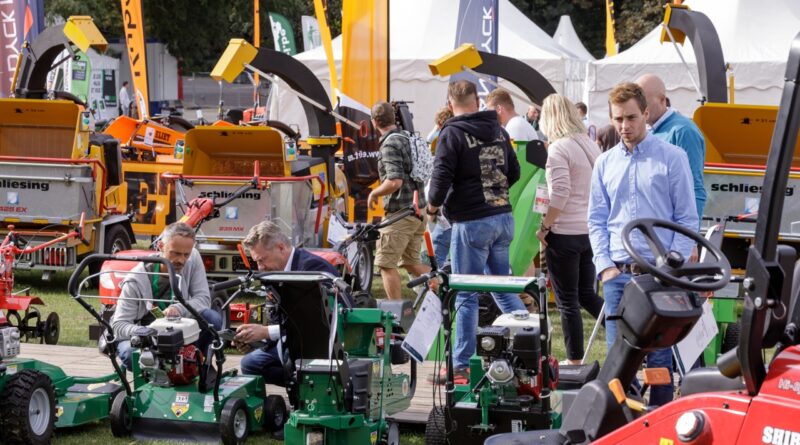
665,441
182,397
258,412
405,387
179,409
11,369
208,404
373,437
516,426
59,411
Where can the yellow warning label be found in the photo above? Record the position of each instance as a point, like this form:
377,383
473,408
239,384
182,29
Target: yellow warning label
59,411
180,409
373,437
258,412
665,441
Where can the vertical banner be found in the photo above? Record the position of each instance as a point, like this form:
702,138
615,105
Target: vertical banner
134,38
282,34
365,79
477,24
311,35
611,39
21,20
257,44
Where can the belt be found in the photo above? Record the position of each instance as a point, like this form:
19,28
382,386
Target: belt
631,268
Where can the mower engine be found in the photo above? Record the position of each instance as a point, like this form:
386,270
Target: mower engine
167,356
9,342
512,359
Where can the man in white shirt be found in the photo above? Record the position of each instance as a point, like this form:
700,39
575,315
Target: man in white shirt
591,129
124,100
519,130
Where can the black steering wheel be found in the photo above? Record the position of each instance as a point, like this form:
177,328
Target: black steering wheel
671,267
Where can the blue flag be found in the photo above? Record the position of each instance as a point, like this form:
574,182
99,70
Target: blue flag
477,24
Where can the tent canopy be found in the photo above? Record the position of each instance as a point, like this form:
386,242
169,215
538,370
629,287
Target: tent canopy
566,36
755,39
424,30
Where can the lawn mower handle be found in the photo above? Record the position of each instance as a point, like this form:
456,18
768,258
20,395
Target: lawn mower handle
224,285
72,286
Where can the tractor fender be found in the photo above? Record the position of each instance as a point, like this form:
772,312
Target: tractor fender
109,221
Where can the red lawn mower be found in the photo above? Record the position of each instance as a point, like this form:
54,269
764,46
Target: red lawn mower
742,401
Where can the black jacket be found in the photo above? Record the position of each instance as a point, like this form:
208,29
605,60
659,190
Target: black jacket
474,168
305,261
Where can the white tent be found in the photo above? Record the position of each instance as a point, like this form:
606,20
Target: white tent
424,30
566,36
755,38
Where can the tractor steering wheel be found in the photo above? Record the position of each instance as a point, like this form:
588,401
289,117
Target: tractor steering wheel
671,267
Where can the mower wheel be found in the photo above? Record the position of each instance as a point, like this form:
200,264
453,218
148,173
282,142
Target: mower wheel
233,422
275,413
363,300
392,435
28,408
731,338
13,319
52,329
364,267
436,429
120,417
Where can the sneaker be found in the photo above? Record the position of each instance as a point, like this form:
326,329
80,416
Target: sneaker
460,376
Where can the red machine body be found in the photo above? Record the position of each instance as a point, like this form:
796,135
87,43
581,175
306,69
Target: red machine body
188,367
770,417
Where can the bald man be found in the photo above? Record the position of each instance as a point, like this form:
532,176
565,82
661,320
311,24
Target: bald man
670,126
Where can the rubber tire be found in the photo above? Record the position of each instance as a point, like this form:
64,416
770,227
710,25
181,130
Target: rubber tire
364,300
731,338
275,413
120,417
392,435
435,429
116,233
15,408
368,262
17,320
52,329
227,422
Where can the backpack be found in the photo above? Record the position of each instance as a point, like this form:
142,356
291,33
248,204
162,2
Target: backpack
421,157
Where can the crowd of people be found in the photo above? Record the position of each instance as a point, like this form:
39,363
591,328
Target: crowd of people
646,163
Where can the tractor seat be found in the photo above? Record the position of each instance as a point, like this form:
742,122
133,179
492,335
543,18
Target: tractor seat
708,380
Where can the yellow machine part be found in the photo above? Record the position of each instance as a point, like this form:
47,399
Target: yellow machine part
152,198
81,31
365,50
238,53
738,134
454,62
679,36
231,151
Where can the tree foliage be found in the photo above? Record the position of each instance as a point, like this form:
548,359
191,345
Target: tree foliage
197,31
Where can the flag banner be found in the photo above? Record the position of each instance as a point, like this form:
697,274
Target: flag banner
21,20
477,24
133,24
311,33
282,34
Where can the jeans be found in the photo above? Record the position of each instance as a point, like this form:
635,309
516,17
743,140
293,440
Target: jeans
479,245
662,358
569,262
266,363
441,243
211,317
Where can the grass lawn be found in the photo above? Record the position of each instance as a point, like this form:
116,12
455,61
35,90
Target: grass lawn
74,332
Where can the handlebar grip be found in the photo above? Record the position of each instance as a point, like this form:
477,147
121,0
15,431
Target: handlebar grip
729,364
228,284
419,280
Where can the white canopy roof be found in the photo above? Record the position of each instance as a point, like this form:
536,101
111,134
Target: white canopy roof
424,30
566,36
755,37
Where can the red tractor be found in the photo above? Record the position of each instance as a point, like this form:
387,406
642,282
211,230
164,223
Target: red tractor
743,401
30,323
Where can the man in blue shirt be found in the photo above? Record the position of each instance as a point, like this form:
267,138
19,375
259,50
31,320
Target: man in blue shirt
670,126
641,177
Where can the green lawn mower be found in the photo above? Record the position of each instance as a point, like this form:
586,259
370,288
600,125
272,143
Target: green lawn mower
179,392
337,361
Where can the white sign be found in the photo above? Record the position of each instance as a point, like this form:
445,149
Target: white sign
425,329
149,135
336,231
690,348
542,200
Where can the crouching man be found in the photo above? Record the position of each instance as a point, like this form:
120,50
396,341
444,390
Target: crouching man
137,304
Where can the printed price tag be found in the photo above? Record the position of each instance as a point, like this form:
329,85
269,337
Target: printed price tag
542,200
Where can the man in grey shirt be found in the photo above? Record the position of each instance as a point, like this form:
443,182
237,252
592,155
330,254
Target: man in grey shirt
135,306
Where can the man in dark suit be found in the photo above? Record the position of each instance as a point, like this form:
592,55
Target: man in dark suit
272,251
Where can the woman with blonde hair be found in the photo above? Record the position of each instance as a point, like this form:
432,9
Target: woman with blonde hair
564,233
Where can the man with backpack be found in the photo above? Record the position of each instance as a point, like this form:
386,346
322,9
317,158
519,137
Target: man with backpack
399,244
474,168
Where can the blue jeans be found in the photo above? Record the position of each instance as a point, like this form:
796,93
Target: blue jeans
477,246
266,363
441,243
662,358
211,316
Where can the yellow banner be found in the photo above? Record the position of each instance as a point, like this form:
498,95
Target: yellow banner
133,24
611,40
365,50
